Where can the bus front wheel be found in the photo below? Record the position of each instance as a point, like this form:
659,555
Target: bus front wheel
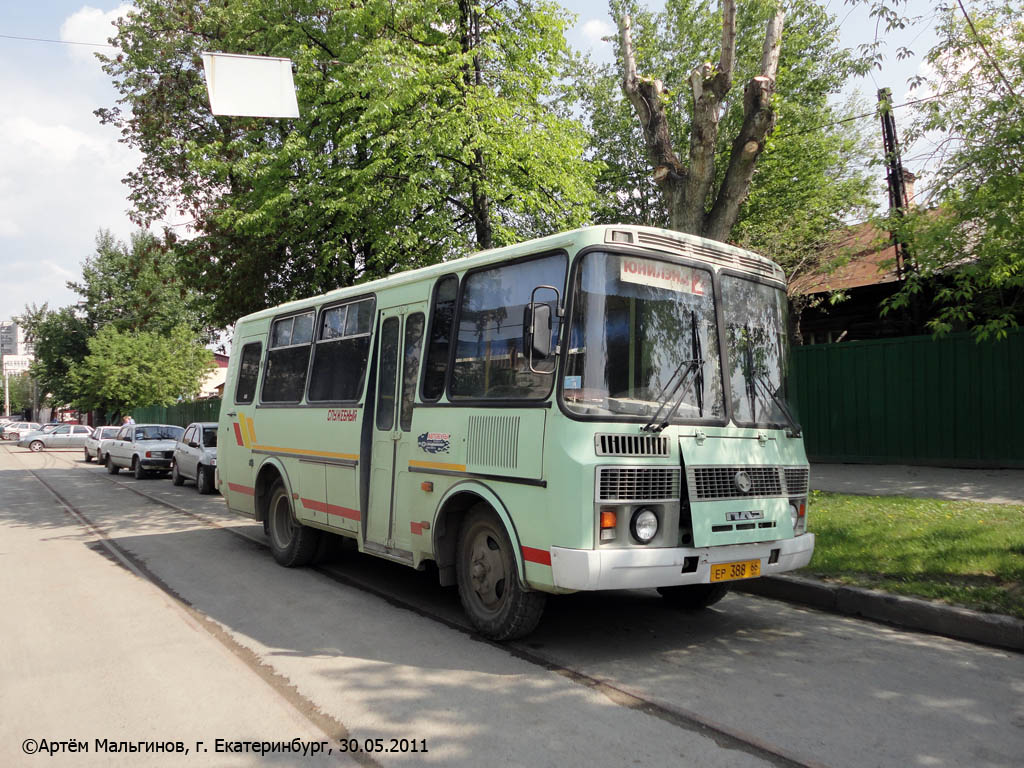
693,597
494,599
291,543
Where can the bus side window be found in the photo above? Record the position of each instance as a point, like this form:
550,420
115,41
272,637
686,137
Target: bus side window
248,372
410,367
341,352
288,359
388,374
435,366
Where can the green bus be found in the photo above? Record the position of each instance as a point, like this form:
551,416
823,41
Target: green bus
599,409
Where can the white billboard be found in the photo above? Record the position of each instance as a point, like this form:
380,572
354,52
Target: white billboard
15,364
250,86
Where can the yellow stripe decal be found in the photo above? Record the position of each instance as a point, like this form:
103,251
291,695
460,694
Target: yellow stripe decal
251,426
304,452
438,465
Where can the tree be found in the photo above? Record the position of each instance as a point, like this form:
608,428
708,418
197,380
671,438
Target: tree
968,250
19,391
132,369
134,287
811,175
425,131
60,338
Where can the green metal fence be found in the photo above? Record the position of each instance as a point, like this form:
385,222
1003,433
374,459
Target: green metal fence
913,400
181,414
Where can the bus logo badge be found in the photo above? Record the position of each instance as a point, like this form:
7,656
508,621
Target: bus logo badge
753,514
743,482
434,442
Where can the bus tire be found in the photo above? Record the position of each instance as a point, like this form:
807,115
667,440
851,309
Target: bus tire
112,468
176,478
204,480
492,596
693,597
292,543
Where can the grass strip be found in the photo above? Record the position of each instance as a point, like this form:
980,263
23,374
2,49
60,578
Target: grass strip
961,552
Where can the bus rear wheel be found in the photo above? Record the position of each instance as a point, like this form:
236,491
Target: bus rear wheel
693,597
291,543
494,599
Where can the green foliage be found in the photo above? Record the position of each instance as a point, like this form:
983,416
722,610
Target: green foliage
812,175
958,551
131,369
134,287
425,131
969,248
19,392
61,340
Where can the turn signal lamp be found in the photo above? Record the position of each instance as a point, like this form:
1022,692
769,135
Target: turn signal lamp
609,522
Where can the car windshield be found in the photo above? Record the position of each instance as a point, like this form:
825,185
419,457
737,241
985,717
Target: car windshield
107,432
158,433
756,335
643,340
209,437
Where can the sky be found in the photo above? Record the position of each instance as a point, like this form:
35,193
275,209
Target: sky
61,171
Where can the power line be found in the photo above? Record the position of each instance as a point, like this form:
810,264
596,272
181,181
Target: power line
61,42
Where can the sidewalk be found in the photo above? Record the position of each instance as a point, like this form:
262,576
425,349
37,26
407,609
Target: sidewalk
997,486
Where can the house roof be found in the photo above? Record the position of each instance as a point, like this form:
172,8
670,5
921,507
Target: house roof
871,261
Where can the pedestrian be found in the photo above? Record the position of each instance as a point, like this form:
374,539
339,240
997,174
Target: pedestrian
128,420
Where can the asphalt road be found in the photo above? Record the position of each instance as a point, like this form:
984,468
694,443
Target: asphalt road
137,611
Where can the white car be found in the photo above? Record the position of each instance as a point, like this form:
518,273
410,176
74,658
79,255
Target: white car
92,445
142,448
195,456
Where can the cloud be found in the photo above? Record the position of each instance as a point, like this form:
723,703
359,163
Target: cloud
594,30
91,25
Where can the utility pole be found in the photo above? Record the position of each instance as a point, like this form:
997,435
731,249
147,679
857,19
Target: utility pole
898,202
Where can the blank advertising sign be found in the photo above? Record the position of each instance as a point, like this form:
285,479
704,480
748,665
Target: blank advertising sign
250,86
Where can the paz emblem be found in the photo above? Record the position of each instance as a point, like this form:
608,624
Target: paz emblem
742,481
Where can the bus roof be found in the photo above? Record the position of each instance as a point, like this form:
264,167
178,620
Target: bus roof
649,238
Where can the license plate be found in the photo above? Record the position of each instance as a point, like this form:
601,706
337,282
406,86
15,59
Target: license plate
744,569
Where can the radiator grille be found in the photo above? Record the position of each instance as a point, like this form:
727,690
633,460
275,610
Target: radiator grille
493,441
797,480
710,483
638,483
631,445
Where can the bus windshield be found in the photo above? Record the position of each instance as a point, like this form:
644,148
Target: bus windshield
756,336
642,340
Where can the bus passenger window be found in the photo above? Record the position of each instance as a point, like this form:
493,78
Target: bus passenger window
410,367
288,359
490,361
435,366
248,372
341,351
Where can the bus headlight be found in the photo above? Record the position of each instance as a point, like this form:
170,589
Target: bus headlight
798,515
644,525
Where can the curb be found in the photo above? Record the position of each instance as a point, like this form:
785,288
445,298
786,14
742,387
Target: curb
903,612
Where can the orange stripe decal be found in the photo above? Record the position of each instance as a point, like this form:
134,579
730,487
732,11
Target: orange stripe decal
306,452
332,509
437,465
242,489
540,556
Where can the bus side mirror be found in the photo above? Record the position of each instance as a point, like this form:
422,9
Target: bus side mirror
537,331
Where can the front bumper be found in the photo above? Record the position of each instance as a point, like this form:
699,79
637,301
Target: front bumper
155,463
588,569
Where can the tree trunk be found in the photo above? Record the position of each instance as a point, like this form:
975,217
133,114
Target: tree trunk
688,191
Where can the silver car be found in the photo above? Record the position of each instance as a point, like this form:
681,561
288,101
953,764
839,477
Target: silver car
142,448
92,445
15,429
61,436
195,456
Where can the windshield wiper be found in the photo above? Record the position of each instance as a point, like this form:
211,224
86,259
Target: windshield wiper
795,430
695,365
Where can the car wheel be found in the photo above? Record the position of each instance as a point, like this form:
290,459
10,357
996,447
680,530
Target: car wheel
88,456
493,597
36,446
112,468
204,480
176,478
140,473
291,543
693,597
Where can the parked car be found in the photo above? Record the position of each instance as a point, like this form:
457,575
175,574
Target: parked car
15,430
92,445
195,456
60,436
142,448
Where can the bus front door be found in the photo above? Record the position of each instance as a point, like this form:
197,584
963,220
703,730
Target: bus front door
398,361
